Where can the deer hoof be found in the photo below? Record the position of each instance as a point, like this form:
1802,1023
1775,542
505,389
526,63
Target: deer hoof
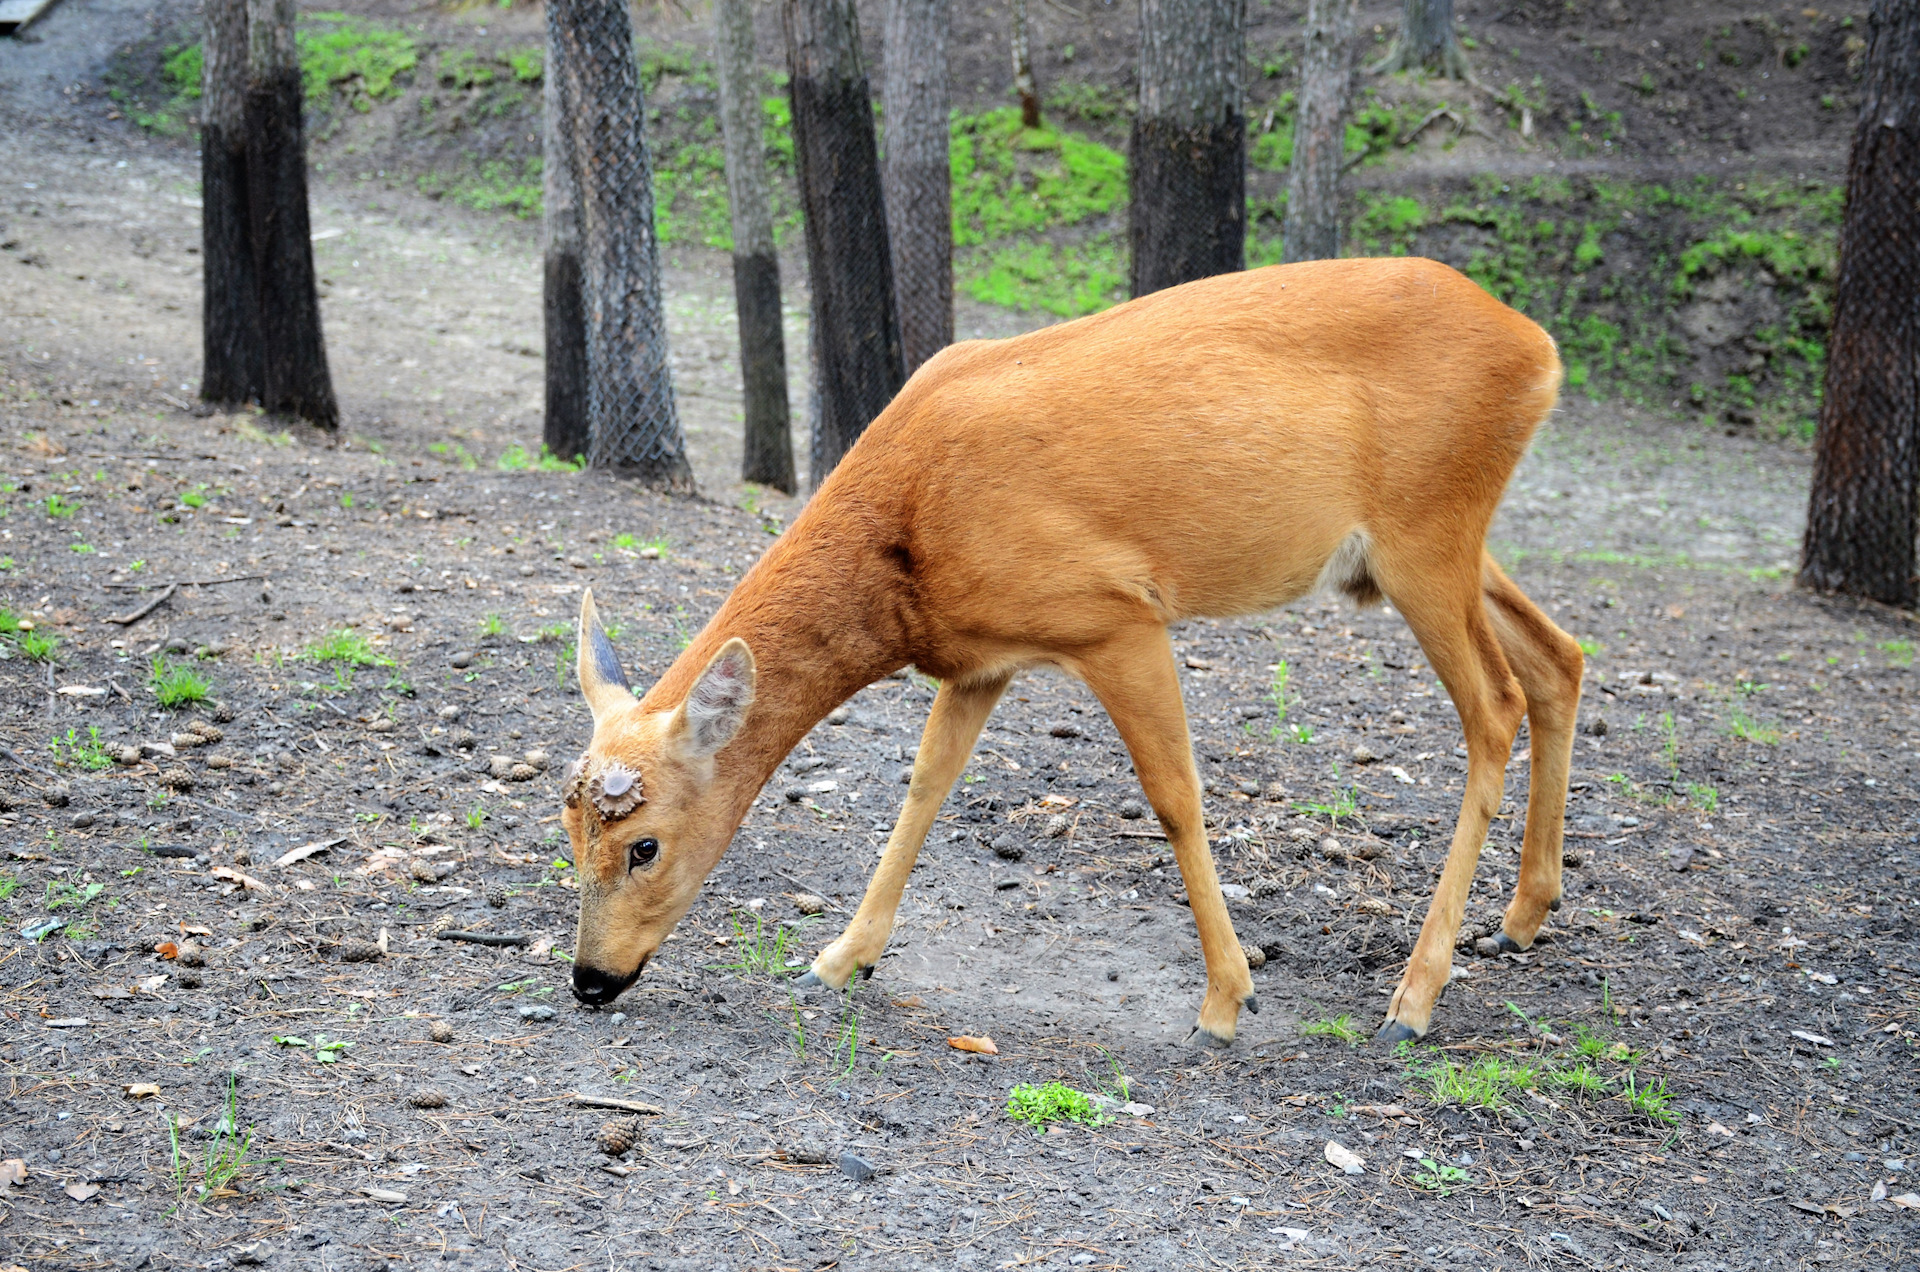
1393,1033
1252,1004
1507,944
1204,1037
808,981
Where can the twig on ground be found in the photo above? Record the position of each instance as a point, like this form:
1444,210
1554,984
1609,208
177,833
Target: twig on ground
608,1102
148,587
486,938
128,620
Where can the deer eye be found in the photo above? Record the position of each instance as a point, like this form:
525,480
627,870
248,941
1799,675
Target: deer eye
642,853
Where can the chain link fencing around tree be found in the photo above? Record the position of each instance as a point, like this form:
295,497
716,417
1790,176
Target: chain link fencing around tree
633,422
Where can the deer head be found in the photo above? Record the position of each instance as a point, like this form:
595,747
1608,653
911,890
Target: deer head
647,820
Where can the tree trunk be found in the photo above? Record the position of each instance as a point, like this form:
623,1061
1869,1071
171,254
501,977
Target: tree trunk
565,433
632,423
767,456
1319,133
916,102
294,377
1023,69
1189,143
230,305
1427,41
1861,520
859,367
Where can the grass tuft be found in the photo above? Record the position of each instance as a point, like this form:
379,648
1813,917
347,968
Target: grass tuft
1053,1102
176,685
348,647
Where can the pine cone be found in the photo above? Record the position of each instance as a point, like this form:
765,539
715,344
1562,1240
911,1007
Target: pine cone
618,1135
177,779
208,730
440,1031
497,896
442,923
359,952
427,1098
222,713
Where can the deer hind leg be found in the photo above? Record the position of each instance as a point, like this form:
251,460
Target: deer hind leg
1446,614
1549,666
1133,676
960,709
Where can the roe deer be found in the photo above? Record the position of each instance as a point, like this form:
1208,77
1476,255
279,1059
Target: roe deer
1058,499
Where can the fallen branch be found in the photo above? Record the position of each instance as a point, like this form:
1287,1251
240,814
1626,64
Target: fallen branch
608,1102
1459,124
485,938
128,620
148,587
14,755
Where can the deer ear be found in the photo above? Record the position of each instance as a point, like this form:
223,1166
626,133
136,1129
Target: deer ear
601,681
717,705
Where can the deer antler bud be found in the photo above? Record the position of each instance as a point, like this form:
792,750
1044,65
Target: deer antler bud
615,791
574,784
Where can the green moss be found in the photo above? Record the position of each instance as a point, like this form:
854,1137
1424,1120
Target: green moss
1069,280
344,53
527,65
183,67
496,185
1013,180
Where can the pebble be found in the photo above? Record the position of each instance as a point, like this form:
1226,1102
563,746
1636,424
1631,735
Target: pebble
57,795
807,903
535,759
1132,809
449,712
617,1019
461,660
536,1011
189,954
839,715
1364,754
905,776
174,645
80,821
856,1168
128,755
1486,947
500,766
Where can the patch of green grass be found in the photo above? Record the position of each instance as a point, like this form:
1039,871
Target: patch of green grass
1050,1102
493,625
1577,1079
476,817
1650,1100
1898,652
1440,1177
78,752
1340,1027
493,185
361,59
764,951
1010,180
176,685
8,885
1346,802
1704,796
1590,647
1741,724
1484,1082
62,895
348,647
60,507
516,458
1068,280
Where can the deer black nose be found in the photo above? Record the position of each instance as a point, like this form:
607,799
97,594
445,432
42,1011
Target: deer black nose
595,987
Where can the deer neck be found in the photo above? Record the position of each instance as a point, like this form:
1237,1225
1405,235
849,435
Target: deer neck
823,621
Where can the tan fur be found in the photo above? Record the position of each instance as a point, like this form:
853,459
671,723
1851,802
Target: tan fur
1059,499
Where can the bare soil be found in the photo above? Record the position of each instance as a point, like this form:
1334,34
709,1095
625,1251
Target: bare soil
1739,927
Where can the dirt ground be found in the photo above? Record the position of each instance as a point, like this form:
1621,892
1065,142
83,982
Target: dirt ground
326,1081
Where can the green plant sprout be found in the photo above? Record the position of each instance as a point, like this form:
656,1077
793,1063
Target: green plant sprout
764,951
78,752
1054,1102
1340,1027
1440,1177
176,685
349,647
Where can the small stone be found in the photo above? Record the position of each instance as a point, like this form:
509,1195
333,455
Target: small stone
428,1098
536,1011
359,952
1680,856
497,896
380,724
449,712
617,1136
905,775
128,755
839,715
1113,973
1007,848
80,821
1064,729
807,903
1331,847
176,779
1132,809
856,1168
189,954
1256,957
618,1019
499,766
461,660
187,979
57,795
174,645
1363,754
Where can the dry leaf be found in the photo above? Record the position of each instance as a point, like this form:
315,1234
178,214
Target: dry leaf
229,875
911,1000
188,929
982,1045
141,1090
304,851
80,1192
1377,1110
387,1195
1906,1201
167,949
14,1171
1338,1154
111,991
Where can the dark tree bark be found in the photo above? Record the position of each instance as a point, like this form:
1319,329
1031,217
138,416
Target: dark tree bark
633,424
230,313
1189,144
1319,133
1861,520
294,376
1427,41
767,455
858,367
1023,69
916,102
565,307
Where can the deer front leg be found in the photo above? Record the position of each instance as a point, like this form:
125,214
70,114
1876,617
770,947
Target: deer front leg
959,711
1135,680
